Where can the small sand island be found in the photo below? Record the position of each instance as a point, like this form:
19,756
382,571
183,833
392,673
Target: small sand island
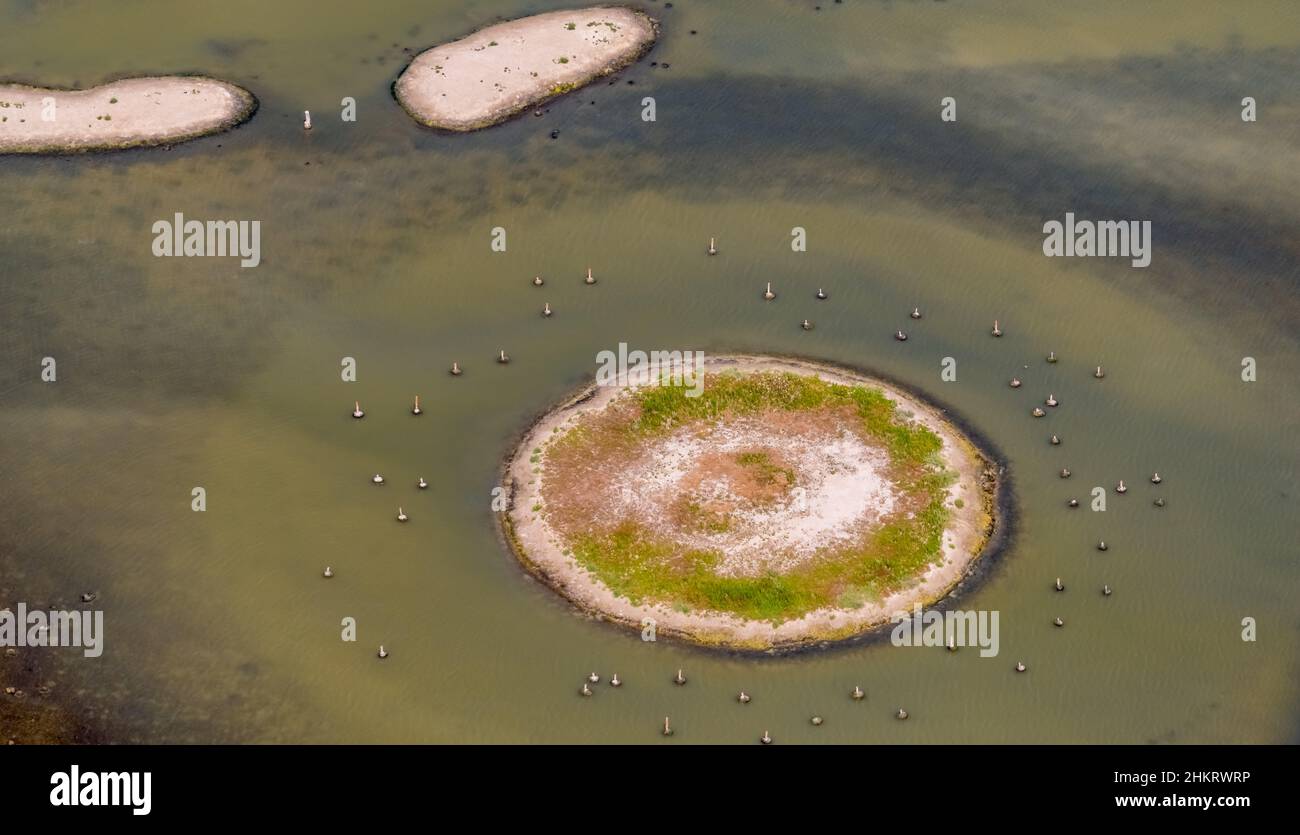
129,113
789,503
491,75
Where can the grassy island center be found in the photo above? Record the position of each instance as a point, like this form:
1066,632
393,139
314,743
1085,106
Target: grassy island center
769,496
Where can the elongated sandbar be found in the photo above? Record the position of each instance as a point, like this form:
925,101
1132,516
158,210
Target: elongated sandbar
488,76
128,113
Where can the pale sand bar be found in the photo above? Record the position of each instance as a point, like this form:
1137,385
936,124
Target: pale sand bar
491,75
128,113
541,549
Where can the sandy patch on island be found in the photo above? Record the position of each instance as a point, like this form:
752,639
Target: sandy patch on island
814,490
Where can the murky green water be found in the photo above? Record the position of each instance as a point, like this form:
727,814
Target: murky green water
182,372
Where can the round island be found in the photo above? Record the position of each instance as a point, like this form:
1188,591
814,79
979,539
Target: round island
782,503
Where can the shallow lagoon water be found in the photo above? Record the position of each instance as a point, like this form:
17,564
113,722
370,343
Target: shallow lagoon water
182,372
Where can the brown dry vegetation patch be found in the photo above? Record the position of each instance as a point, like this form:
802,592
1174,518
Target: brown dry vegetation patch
728,497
